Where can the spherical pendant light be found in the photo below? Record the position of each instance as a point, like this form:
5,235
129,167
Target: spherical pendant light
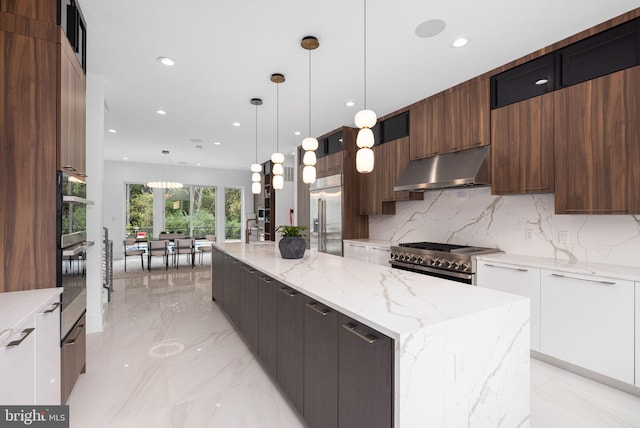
364,160
278,182
309,158
310,143
256,167
309,174
365,119
365,138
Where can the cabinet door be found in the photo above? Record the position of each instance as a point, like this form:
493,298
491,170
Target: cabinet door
47,356
16,368
522,147
34,9
232,291
248,306
73,357
466,116
365,390
588,321
289,348
596,122
267,323
520,280
426,126
320,365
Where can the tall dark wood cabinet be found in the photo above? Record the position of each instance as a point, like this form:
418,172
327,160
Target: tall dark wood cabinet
28,145
365,393
320,365
289,344
522,138
596,131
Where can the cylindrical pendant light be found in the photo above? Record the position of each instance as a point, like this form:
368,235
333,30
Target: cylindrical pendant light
277,158
256,168
309,144
365,119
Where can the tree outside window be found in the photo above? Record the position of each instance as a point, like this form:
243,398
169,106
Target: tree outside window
139,210
232,213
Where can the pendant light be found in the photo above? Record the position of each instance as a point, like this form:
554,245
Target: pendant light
365,120
277,158
256,168
165,184
309,144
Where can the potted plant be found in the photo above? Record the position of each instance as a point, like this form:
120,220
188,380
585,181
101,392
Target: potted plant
292,244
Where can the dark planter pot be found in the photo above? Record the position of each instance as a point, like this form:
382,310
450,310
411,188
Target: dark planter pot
292,247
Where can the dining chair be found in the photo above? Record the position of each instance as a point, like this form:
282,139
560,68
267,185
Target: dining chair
158,248
131,249
183,246
206,248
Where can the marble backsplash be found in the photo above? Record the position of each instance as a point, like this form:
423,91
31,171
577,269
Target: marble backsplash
522,224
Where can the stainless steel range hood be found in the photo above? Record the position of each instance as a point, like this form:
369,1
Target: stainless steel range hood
460,169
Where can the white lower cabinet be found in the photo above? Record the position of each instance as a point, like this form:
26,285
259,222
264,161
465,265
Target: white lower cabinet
588,321
17,366
370,253
514,279
47,355
637,334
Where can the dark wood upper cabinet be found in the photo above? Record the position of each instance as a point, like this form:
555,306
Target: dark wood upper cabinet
597,128
526,81
522,146
34,9
426,128
466,116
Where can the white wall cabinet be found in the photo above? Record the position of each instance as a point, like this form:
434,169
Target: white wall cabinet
370,253
514,279
588,321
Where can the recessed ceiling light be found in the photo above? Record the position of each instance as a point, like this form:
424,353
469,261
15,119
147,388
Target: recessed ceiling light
217,143
458,43
350,103
113,131
198,165
293,153
541,81
297,133
430,28
161,112
166,61
125,158
236,123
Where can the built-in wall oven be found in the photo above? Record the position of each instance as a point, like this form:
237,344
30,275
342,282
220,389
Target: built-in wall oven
448,261
71,249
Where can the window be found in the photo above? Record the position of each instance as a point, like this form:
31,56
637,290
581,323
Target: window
139,210
177,209
204,212
232,213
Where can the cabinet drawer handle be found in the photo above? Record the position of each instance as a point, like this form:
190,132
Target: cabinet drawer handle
314,306
266,279
53,307
584,279
248,269
536,188
26,332
351,327
73,341
604,210
505,267
479,143
289,292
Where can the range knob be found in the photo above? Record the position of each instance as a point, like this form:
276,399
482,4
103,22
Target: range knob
437,262
456,265
420,260
412,259
448,263
464,267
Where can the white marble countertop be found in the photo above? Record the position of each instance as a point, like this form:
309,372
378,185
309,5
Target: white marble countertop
18,306
392,301
631,273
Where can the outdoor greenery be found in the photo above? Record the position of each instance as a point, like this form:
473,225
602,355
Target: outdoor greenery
139,210
232,213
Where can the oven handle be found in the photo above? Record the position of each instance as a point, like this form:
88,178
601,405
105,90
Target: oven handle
395,263
454,274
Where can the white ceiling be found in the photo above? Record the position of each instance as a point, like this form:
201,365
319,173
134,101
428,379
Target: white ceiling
225,52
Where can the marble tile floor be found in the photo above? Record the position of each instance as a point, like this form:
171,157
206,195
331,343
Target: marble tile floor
168,358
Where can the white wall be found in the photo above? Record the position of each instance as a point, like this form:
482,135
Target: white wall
475,217
117,174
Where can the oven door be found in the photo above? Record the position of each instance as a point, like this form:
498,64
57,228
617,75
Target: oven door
462,277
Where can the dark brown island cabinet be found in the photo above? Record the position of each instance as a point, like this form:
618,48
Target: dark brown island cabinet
334,370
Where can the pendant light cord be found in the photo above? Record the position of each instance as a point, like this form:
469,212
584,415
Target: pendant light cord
256,133
309,93
277,117
365,54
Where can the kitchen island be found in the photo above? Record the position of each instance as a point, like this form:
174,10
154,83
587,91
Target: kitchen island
460,354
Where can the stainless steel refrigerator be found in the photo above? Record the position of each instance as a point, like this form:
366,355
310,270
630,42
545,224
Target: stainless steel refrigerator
326,215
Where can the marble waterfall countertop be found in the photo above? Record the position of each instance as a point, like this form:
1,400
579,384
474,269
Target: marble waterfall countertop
461,352
16,307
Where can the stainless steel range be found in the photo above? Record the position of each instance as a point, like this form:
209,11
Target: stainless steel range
453,262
